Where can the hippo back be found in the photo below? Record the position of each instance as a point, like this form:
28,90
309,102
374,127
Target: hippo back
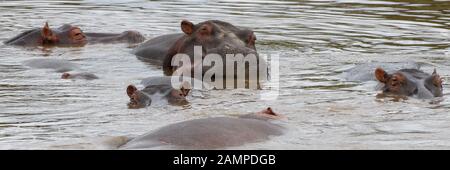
154,50
24,37
208,133
58,65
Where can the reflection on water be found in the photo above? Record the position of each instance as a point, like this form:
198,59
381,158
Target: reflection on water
316,40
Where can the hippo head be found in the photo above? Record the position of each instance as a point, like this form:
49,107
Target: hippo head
265,114
214,37
138,99
399,83
178,96
66,35
65,76
396,84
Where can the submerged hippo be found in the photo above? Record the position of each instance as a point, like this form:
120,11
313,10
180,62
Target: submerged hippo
365,72
211,133
158,88
410,82
85,76
213,36
58,65
68,35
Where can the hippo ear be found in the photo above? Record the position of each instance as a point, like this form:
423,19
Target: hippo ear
130,90
187,27
437,80
381,75
185,88
46,31
251,40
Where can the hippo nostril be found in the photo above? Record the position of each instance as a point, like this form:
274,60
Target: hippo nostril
416,91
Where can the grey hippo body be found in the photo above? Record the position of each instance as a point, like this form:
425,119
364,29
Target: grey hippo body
61,66
211,133
156,49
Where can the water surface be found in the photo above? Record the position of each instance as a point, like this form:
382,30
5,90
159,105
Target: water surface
316,40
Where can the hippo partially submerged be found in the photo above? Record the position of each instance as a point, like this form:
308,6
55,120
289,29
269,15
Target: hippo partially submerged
83,75
211,133
61,66
410,82
209,37
158,88
69,35
365,72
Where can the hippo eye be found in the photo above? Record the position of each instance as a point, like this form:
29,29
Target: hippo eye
204,30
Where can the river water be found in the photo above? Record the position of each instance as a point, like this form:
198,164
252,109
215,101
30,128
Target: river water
315,40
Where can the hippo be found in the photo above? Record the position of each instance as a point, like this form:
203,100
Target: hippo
365,72
213,36
211,133
410,82
85,76
69,35
59,65
155,87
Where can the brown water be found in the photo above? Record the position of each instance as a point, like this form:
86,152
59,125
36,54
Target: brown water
315,39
